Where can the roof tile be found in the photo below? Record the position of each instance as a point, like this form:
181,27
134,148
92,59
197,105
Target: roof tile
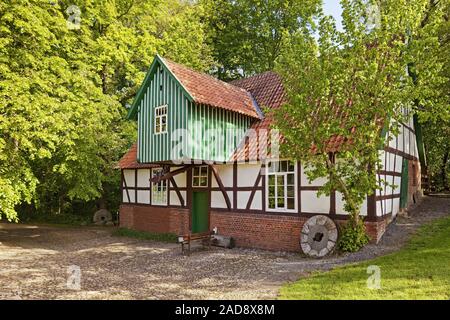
206,89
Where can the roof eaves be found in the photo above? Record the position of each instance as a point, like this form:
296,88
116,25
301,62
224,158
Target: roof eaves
158,59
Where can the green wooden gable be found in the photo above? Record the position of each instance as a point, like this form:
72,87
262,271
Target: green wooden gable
162,88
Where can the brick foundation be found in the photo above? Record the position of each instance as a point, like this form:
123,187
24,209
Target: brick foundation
154,219
263,231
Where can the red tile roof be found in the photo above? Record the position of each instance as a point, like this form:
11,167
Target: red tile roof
208,90
267,89
129,160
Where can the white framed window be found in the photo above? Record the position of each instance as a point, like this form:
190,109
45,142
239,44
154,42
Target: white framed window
159,190
281,186
200,176
161,119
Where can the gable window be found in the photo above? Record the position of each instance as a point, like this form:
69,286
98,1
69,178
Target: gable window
159,190
161,119
281,186
200,176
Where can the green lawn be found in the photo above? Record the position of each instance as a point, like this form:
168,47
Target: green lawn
421,270
161,237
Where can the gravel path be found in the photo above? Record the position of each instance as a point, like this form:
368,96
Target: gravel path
34,262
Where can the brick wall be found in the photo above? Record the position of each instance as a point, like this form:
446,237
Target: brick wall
270,232
260,230
154,219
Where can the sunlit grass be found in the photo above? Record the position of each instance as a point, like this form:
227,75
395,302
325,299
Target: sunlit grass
421,270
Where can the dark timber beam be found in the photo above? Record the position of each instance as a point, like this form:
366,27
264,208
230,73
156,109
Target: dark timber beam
180,197
252,195
221,186
169,175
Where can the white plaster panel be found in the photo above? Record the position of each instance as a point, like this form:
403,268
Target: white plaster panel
398,164
412,144
395,207
143,178
174,201
132,196
317,182
180,179
128,176
340,205
225,172
406,132
217,200
388,204
314,204
124,196
397,182
391,161
143,196
257,201
400,139
242,199
247,174
393,141
379,208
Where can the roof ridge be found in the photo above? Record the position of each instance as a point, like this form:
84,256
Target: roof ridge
205,75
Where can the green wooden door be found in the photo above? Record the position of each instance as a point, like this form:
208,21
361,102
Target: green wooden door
200,208
404,185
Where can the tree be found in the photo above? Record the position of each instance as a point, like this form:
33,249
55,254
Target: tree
346,90
247,36
67,69
430,72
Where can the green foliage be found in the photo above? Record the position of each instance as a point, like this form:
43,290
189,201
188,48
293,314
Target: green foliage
353,237
63,92
351,84
247,36
418,271
60,219
162,237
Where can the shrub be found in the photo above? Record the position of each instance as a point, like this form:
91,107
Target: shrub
162,237
353,237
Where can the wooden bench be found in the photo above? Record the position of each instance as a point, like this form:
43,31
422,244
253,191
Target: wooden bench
187,238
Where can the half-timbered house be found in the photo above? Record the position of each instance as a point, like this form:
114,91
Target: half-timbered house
195,166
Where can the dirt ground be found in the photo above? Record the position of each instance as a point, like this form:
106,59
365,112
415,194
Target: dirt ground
41,262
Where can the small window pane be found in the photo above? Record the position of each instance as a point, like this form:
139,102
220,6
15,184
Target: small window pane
272,203
196,182
280,191
283,166
291,166
290,179
290,191
271,180
203,181
280,180
271,191
196,171
290,203
204,171
280,202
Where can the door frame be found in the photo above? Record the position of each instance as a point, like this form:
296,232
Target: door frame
190,192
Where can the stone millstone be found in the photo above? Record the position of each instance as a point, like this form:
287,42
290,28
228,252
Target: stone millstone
319,236
102,216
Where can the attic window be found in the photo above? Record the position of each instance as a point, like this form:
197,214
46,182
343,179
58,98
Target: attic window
161,119
200,176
